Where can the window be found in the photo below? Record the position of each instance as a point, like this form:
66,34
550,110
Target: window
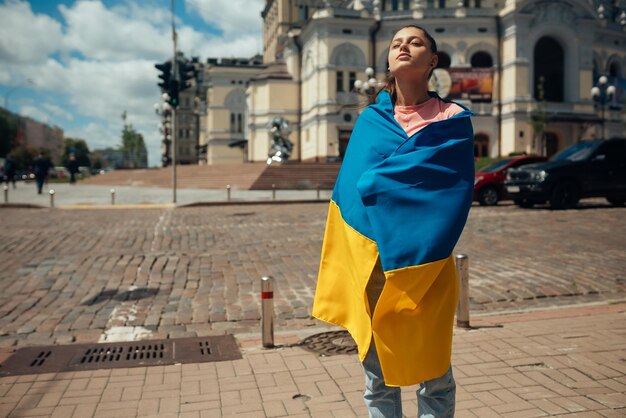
351,80
239,123
232,122
303,13
339,81
549,70
481,59
481,145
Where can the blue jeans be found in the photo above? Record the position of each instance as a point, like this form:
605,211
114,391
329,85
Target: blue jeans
435,398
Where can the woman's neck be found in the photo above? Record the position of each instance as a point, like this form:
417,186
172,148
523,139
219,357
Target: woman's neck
410,92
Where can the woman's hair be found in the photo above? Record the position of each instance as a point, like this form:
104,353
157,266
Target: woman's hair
390,80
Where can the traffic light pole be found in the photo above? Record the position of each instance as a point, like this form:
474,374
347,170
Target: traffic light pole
173,123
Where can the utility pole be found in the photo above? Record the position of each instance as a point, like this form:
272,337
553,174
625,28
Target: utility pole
175,80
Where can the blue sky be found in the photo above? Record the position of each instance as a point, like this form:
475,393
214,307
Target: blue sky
80,64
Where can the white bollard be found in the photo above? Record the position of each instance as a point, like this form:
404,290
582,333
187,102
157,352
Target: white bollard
112,196
228,192
51,198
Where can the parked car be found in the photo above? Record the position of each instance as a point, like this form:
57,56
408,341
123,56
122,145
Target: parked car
587,169
489,180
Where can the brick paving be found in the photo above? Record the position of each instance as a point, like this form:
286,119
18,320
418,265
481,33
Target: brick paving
118,274
566,362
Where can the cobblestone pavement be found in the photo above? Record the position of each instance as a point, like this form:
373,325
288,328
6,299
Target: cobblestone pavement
121,274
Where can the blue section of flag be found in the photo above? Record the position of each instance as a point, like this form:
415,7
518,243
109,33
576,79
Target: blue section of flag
409,195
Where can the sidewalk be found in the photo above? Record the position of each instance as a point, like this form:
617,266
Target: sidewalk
561,362
94,196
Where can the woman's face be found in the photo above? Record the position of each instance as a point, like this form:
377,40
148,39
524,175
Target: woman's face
410,54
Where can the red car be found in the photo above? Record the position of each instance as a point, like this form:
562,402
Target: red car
489,180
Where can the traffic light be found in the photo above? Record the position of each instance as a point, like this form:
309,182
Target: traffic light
169,85
173,93
187,73
166,76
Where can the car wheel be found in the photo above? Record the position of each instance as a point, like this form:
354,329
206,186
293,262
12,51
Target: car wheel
523,203
616,201
488,196
565,195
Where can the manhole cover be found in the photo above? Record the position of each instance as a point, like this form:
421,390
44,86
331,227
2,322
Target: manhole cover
74,357
330,343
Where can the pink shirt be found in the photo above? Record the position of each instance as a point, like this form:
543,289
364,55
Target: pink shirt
413,118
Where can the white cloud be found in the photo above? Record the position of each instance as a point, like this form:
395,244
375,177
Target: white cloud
25,37
103,34
58,111
97,135
234,17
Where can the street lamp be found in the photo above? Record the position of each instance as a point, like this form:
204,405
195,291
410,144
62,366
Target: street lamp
367,87
11,90
602,94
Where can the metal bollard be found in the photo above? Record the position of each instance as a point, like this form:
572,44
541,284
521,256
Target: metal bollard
112,196
51,198
6,193
318,191
267,311
273,192
462,311
228,192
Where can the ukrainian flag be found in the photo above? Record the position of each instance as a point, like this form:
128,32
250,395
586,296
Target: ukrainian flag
404,200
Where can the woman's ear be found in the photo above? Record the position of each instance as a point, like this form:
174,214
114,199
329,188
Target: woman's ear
434,61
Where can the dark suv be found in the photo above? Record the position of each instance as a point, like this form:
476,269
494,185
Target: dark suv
586,169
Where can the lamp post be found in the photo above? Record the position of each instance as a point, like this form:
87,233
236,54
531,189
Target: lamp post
602,94
367,87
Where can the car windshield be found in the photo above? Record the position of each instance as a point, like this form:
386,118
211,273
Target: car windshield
493,167
576,152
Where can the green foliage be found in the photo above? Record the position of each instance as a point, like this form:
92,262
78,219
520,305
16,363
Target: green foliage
483,162
8,130
23,157
79,148
133,146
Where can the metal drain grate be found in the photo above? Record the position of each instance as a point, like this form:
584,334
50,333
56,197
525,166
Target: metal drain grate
74,357
330,343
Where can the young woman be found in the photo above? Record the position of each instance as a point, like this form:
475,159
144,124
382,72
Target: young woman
400,202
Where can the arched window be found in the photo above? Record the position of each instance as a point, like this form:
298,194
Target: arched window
444,60
481,145
481,59
549,70
614,69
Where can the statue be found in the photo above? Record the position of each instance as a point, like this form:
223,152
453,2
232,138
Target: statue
281,147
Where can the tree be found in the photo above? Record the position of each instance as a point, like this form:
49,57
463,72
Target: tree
79,148
133,146
539,118
8,130
23,157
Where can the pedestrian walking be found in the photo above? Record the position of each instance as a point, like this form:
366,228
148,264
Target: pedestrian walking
72,167
9,171
400,202
41,167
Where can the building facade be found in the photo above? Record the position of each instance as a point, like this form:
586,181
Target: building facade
525,67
